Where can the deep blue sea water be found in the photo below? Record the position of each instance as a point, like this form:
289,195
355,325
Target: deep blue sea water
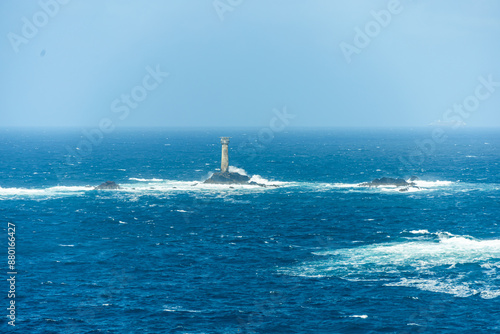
318,254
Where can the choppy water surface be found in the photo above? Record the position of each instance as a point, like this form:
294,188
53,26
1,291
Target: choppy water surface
316,254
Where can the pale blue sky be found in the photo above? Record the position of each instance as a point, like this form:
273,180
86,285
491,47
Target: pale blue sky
264,54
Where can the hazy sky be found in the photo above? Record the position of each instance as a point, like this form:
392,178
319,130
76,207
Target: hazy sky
231,62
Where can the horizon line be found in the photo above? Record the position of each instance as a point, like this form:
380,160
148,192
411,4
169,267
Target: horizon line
234,127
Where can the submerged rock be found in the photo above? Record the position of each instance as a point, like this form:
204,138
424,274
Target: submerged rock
228,178
387,181
108,185
404,189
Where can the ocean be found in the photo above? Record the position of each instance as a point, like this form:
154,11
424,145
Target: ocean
311,252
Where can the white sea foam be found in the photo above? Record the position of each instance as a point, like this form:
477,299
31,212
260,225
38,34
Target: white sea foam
157,186
343,185
19,191
171,187
396,189
432,184
152,187
234,169
490,294
59,190
448,286
419,232
363,316
426,264
420,185
448,251
174,308
69,189
255,178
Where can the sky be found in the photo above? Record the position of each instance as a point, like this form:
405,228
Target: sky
233,63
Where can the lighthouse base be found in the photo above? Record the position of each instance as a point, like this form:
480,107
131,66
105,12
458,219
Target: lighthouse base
228,178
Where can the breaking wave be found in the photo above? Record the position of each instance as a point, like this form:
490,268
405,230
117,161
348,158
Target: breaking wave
241,171
439,263
158,185
59,190
432,184
145,180
142,187
256,178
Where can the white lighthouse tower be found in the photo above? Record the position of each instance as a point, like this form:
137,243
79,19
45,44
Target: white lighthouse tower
224,163
225,176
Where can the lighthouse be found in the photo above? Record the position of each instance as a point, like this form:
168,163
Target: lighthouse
224,162
225,176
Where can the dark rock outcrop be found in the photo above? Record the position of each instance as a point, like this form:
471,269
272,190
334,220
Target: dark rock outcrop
228,178
387,181
234,178
109,185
